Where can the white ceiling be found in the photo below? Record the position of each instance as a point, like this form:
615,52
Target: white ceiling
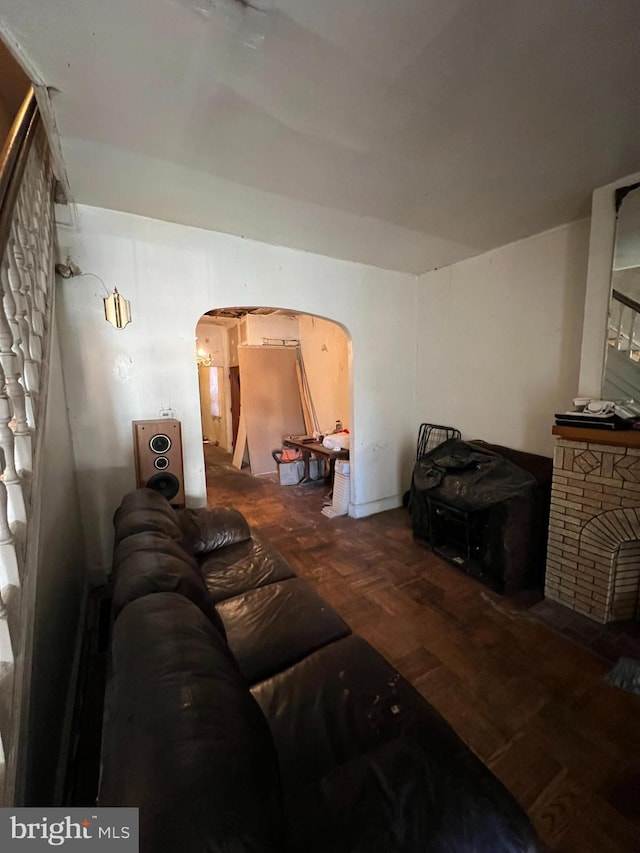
403,133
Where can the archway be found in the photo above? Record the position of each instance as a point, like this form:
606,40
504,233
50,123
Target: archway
298,366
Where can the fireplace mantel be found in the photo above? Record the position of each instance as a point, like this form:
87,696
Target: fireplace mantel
612,437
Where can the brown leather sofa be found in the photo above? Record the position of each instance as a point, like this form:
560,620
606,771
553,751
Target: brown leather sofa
242,715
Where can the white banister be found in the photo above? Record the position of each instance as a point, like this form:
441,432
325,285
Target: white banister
12,366
9,570
26,275
16,504
20,269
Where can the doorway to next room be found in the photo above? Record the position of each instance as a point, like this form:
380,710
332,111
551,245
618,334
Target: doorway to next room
266,375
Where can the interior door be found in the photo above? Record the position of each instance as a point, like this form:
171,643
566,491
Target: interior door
234,384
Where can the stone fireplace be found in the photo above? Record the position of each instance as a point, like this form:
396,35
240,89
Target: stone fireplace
593,563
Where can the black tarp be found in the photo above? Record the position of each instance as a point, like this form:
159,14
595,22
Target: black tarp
469,478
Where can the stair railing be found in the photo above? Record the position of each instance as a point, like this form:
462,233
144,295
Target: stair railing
26,294
623,327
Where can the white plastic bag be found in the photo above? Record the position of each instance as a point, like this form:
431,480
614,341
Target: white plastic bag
337,441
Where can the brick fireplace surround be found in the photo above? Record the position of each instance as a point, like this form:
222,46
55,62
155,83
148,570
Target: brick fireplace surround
593,563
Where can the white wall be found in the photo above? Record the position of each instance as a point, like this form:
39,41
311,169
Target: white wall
172,274
498,340
325,351
211,339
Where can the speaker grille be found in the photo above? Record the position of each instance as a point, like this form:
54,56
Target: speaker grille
160,443
167,484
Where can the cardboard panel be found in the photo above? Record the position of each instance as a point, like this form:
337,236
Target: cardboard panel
270,400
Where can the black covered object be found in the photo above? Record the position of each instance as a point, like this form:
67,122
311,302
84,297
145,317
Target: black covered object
334,753
486,508
468,477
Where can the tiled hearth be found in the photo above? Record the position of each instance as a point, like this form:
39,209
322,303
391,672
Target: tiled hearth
593,563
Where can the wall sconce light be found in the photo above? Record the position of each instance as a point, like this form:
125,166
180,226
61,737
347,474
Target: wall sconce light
117,310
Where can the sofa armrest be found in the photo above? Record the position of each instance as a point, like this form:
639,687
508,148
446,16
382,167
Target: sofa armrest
205,530
183,738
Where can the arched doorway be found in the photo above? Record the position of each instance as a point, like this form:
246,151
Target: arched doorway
297,373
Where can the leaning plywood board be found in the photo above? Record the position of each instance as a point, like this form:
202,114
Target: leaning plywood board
270,400
308,420
241,441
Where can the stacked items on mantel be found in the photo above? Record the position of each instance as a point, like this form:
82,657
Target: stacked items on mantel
601,414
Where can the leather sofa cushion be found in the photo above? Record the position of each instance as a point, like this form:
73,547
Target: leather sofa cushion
146,521
367,765
183,738
145,509
142,573
239,568
207,530
152,540
335,705
272,627
145,499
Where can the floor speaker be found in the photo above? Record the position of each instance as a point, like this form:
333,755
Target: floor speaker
157,447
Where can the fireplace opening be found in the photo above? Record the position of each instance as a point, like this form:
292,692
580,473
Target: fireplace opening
626,585
608,564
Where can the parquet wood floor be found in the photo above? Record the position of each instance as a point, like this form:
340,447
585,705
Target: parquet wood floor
531,703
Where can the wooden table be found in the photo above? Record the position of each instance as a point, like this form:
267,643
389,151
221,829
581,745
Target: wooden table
308,447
